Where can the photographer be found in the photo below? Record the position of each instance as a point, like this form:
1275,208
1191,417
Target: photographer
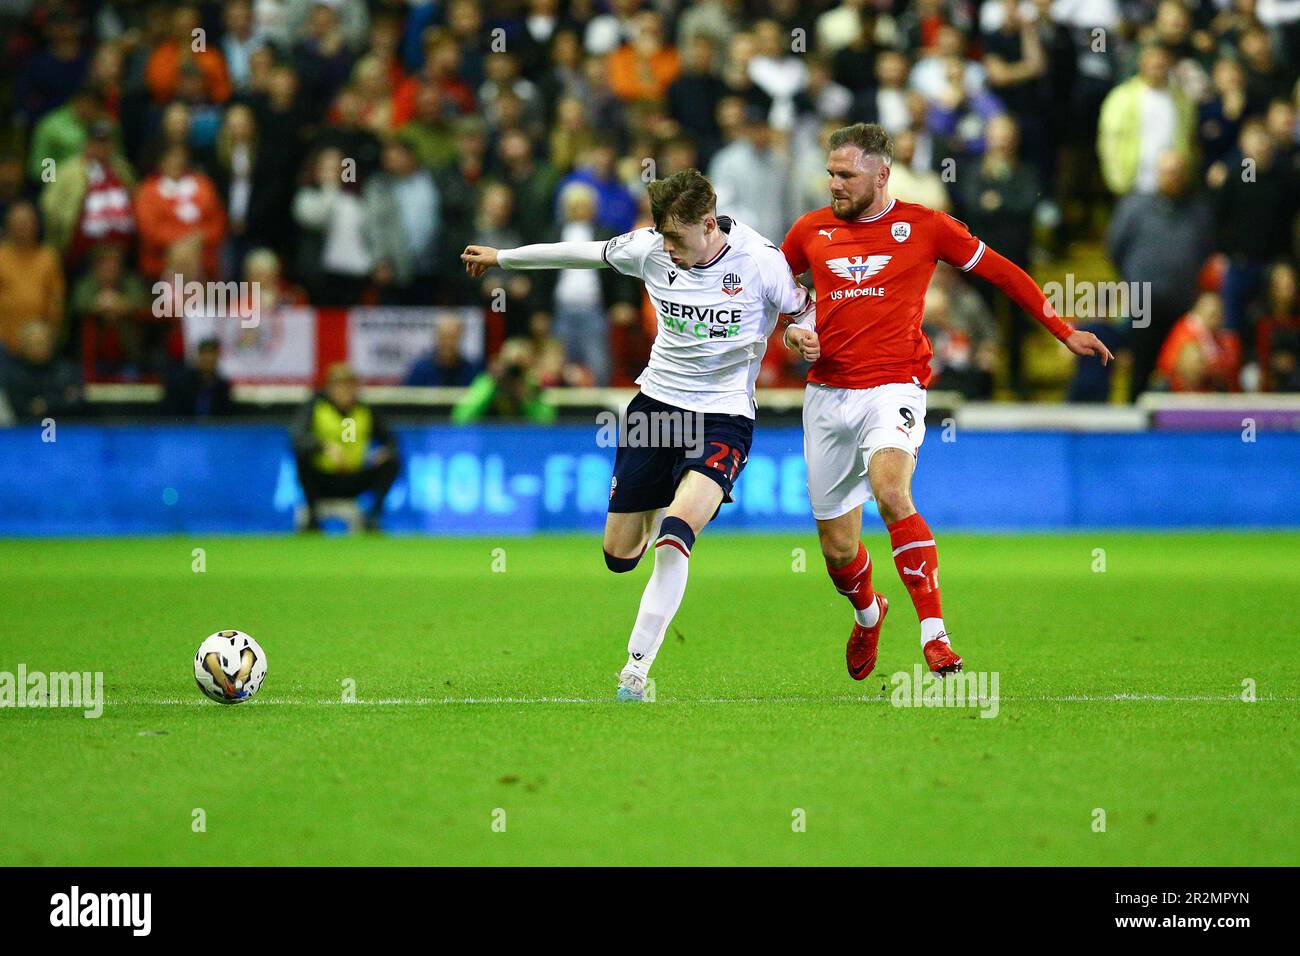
508,390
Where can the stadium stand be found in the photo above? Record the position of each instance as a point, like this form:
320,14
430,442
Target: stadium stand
295,180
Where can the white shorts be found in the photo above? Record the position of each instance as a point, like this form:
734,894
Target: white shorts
844,427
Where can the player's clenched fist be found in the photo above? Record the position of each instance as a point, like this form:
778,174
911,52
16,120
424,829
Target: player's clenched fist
804,342
478,259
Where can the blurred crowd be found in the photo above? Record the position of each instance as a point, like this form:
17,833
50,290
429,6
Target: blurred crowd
343,152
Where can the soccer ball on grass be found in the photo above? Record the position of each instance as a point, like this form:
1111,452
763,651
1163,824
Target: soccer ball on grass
230,667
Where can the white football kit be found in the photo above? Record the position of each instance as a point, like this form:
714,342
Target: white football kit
714,318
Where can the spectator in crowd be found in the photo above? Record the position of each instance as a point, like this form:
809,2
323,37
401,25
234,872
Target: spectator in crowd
13,186
564,74
441,75
467,33
178,201
751,178
510,297
934,76
840,26
507,390
964,342
1017,68
886,101
502,78
694,95
89,203
1159,242
334,257
187,47
778,72
997,201
907,183
174,128
239,41
581,299
446,366
541,25
429,131
961,115
61,135
1257,199
32,286
113,301
1277,333
532,184
332,439
1200,355
281,148
402,226
1266,79
573,135
238,183
1142,119
262,270
106,74
370,84
606,32
322,56
199,390
37,382
54,73
822,98
346,130
617,209
1220,115
585,92
549,361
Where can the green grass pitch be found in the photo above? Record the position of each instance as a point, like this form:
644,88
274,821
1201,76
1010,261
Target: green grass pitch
482,691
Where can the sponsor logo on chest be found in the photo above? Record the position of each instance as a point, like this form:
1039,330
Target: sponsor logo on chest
857,269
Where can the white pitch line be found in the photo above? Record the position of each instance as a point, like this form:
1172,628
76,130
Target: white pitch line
834,699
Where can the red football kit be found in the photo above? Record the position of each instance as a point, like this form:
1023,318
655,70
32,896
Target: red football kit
871,276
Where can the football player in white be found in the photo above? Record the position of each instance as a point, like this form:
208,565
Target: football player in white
718,288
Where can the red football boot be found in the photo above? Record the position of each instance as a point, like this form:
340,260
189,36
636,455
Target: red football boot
860,652
941,657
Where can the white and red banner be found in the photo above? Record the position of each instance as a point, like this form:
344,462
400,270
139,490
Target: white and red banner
294,345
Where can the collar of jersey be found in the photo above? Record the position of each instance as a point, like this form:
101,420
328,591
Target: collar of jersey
712,262
882,212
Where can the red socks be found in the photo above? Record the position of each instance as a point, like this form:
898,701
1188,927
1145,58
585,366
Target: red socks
917,560
854,580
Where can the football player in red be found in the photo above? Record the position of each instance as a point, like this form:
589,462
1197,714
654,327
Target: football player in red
871,259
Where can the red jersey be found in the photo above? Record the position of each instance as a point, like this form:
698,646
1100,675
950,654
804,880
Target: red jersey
871,276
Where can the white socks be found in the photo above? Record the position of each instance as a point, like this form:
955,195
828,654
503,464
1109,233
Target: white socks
931,628
663,594
868,616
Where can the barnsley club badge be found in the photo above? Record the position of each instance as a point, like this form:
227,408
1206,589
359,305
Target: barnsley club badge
901,231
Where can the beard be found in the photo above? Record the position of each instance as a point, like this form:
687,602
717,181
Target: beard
841,210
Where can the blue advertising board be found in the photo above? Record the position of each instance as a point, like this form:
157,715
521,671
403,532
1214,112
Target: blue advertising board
512,479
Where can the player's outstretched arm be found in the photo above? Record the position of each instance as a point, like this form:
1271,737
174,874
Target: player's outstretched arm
542,255
1024,291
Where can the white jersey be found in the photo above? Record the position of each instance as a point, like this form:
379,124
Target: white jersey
714,318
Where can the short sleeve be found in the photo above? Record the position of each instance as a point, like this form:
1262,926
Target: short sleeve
627,253
954,244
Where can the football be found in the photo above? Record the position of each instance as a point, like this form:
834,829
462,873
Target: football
229,667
